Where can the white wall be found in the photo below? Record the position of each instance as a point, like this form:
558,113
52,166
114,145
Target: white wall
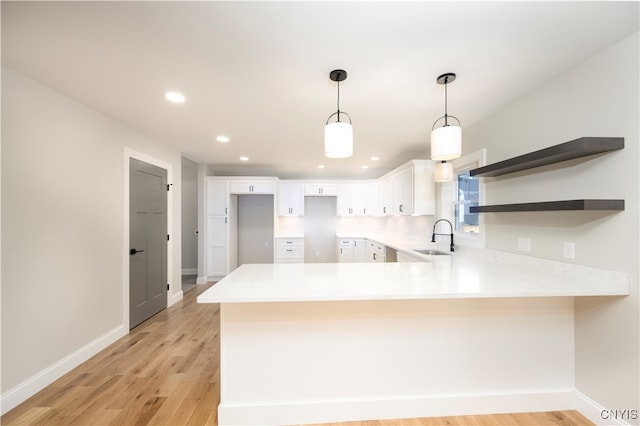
255,228
320,230
63,219
189,216
598,98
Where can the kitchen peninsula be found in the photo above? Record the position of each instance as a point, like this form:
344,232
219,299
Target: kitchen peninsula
470,333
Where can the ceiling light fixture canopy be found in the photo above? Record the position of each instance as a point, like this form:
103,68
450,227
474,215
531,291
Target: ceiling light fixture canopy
446,141
338,135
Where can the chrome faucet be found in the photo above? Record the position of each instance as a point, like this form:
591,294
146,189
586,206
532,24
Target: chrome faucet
433,234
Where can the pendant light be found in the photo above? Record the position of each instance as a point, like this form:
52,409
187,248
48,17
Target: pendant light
443,172
446,141
338,135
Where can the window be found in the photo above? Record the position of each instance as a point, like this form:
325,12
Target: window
468,194
455,199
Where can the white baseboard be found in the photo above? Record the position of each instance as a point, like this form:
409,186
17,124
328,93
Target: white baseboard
190,271
208,279
173,298
393,408
20,393
598,414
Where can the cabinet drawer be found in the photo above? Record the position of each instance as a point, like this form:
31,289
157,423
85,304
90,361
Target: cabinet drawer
290,252
346,243
289,242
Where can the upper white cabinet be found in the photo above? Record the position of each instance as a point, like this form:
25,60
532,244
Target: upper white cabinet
413,188
385,195
350,199
252,186
217,196
321,189
291,199
372,199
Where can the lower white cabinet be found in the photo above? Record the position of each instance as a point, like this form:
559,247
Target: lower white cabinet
352,250
289,250
376,252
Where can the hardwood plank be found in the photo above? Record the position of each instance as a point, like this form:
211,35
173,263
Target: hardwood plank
167,372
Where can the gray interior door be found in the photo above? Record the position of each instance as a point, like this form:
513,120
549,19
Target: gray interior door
147,241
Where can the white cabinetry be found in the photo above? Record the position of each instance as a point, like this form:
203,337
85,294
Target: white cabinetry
352,250
217,227
320,189
291,199
289,250
375,252
350,199
385,192
371,199
345,250
252,186
414,189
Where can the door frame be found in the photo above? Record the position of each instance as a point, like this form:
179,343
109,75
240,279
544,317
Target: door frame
172,295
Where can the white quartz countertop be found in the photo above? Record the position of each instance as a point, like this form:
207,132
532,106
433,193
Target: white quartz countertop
449,277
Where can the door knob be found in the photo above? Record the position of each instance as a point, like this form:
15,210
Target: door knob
134,251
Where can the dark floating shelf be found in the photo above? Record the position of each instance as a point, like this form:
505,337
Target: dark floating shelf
576,148
544,206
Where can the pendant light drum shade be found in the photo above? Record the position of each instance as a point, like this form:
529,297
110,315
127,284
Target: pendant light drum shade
443,172
338,135
338,139
446,141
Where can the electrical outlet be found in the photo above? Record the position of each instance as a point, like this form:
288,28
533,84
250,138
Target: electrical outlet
524,244
266,244
569,250
317,253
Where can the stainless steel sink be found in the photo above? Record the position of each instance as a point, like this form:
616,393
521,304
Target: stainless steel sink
431,252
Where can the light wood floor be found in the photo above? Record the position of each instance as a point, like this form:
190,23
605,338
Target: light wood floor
166,372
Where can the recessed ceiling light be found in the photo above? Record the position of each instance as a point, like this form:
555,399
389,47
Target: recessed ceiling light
375,158
365,167
243,158
175,97
321,166
223,139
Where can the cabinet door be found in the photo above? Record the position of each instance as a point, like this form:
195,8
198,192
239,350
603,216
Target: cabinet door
343,202
350,199
385,188
291,199
424,189
359,250
217,196
345,255
371,199
217,245
403,192
356,192
251,187
328,189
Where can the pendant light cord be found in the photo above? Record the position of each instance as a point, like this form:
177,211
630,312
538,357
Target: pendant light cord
338,103
446,81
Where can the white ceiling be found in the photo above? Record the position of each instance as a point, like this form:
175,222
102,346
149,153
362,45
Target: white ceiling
258,72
